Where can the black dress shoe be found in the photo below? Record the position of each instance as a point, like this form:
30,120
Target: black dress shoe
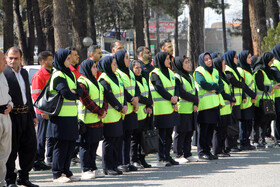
213,157
173,162
131,168
144,163
118,171
110,172
25,182
223,155
205,157
123,168
235,149
41,165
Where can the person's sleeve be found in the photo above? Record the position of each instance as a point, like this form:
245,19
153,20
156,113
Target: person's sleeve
79,90
110,96
199,78
233,81
60,84
259,78
185,95
137,90
37,86
159,87
275,73
105,104
89,103
127,96
227,97
220,86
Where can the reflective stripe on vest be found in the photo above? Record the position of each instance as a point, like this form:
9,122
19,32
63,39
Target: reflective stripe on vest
237,91
184,106
144,90
129,84
249,81
276,63
161,105
267,82
97,95
69,107
208,100
226,109
118,91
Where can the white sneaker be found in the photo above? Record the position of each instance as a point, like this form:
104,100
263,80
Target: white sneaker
88,175
98,173
192,159
74,178
62,179
181,160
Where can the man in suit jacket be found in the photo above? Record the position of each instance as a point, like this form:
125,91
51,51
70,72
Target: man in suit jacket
23,120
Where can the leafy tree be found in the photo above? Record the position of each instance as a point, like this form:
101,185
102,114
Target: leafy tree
272,38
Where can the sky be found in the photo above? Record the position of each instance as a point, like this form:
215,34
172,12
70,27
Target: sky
233,13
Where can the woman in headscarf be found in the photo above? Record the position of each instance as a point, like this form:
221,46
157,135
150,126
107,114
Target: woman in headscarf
63,128
247,107
145,109
188,102
220,131
209,86
165,96
238,88
92,108
263,77
131,93
113,122
276,74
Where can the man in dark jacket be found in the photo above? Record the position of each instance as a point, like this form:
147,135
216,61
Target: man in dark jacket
23,120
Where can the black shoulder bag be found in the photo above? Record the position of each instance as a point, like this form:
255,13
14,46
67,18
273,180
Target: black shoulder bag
267,107
150,141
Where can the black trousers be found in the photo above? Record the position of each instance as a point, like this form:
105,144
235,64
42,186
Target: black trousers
276,123
245,132
218,141
111,152
41,141
182,144
259,131
204,139
23,145
165,141
127,134
62,154
88,155
136,149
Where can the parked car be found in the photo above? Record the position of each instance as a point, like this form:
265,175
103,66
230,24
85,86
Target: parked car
31,69
105,53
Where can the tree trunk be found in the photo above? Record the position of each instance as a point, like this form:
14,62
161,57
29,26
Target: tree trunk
60,15
39,29
31,37
257,23
157,29
176,28
246,29
275,13
138,25
91,21
79,18
146,24
8,20
224,27
20,32
196,32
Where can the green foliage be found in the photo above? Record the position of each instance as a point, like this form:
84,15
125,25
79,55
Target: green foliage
168,6
272,38
216,5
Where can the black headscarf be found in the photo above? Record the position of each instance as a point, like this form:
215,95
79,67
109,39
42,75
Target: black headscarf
159,63
229,59
58,62
218,65
104,65
119,56
201,62
276,51
214,55
254,60
262,63
242,61
85,69
132,64
177,67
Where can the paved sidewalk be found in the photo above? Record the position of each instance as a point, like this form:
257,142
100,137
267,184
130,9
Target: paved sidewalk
247,168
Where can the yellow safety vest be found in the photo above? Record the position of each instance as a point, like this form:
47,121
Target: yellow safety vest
184,106
144,90
267,82
226,109
237,91
129,85
250,82
276,63
161,105
118,91
97,95
208,100
69,107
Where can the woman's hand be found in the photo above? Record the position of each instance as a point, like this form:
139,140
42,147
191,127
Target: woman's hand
124,110
174,99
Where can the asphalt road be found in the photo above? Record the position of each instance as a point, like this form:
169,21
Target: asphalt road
247,168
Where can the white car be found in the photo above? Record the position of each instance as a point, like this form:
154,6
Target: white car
31,69
105,53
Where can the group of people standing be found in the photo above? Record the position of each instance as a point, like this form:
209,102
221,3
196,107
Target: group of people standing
114,99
